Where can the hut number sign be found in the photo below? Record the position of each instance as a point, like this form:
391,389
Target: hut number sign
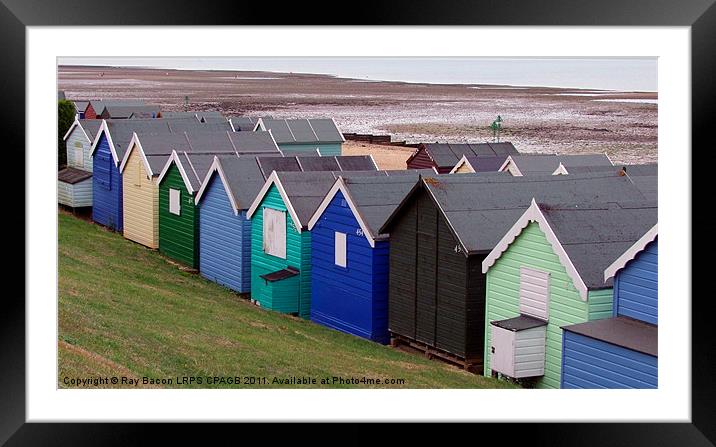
359,231
457,249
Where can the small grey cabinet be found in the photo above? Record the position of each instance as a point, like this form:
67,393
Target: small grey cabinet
518,346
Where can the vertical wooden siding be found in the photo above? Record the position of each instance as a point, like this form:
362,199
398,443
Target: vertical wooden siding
178,234
435,291
298,254
353,299
140,203
636,286
77,137
531,249
107,188
224,240
590,363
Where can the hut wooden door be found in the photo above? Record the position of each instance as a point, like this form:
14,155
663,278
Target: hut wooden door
426,270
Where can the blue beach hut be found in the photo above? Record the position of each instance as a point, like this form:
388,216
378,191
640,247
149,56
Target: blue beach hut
224,230
349,256
620,352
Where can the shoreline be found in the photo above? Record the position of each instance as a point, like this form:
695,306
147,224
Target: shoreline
536,119
370,80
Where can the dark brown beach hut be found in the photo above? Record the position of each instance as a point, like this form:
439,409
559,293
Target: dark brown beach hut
439,236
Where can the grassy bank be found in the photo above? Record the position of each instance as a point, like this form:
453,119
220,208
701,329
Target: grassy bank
125,311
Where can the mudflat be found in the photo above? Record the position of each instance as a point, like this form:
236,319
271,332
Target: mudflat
536,119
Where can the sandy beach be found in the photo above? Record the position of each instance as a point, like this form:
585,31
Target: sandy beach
536,119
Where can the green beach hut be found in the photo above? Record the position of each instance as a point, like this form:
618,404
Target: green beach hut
178,215
281,242
547,272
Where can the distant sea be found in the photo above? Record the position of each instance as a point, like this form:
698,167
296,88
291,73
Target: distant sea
620,74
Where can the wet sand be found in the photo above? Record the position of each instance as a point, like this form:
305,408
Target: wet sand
536,119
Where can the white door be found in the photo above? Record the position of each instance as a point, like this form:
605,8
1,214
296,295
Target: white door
502,351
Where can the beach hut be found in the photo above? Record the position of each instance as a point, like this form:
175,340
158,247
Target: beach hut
225,195
232,186
444,156
78,140
544,164
74,183
109,148
140,167
471,164
107,152
281,242
349,256
80,107
74,188
182,177
304,136
439,236
178,216
622,351
96,107
547,272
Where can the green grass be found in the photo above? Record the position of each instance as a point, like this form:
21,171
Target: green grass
124,310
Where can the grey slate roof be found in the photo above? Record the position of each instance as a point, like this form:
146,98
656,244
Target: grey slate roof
481,208
205,135
178,115
258,143
486,164
595,235
73,175
127,111
279,164
186,124
90,127
356,163
243,123
316,163
122,131
244,177
246,123
80,106
303,130
306,190
547,164
616,169
621,331
99,105
645,177
158,146
448,154
376,197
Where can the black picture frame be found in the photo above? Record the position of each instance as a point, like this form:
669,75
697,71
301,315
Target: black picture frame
700,15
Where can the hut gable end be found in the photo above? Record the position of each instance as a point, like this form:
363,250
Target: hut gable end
532,249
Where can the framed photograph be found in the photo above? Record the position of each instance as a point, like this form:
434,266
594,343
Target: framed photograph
451,219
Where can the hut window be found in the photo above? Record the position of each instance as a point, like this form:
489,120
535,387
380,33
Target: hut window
274,232
534,293
340,249
174,201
